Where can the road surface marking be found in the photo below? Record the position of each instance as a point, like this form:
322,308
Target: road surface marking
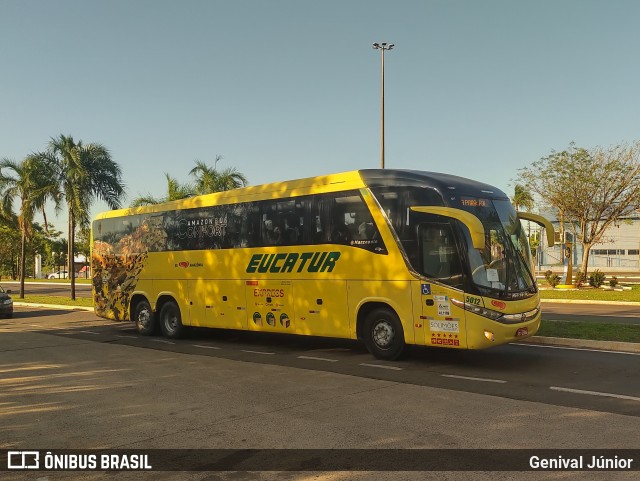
481,379
258,352
162,340
205,347
381,366
312,358
128,337
578,349
594,393
89,332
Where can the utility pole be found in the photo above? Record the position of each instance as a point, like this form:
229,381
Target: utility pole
382,47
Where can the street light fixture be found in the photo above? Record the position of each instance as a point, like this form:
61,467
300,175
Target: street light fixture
382,47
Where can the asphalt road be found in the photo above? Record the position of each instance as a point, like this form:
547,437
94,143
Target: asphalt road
517,371
71,380
617,313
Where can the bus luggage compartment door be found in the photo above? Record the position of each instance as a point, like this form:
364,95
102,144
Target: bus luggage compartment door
444,321
229,305
270,306
322,308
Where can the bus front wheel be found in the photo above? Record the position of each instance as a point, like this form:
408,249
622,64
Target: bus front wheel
171,320
144,318
384,336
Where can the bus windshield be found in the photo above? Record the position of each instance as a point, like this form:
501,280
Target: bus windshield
504,263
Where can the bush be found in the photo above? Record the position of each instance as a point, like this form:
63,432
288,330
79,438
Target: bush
552,279
579,279
613,282
548,274
597,278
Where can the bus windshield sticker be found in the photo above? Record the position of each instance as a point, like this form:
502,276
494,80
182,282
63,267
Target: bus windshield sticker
492,275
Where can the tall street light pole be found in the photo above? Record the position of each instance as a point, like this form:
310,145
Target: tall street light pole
382,47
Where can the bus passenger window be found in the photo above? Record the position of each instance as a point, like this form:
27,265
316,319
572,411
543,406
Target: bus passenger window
292,229
272,234
340,233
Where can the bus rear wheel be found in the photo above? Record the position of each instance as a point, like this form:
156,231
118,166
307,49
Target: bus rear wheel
171,320
143,317
383,334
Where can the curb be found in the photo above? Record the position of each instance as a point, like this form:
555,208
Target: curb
616,346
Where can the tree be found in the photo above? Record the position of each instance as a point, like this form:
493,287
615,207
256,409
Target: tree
31,183
9,248
175,191
84,172
522,198
209,179
592,189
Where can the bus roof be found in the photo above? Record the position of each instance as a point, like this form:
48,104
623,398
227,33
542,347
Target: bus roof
441,182
355,179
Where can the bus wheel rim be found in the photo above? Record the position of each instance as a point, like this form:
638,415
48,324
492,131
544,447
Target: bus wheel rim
383,334
171,322
144,318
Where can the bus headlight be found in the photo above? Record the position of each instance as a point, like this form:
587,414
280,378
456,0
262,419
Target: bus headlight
481,311
489,335
498,316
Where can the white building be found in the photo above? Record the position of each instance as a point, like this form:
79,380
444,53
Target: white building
618,252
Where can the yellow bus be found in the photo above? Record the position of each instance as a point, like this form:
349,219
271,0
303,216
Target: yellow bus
390,257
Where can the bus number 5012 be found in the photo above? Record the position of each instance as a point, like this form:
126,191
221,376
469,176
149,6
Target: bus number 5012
472,300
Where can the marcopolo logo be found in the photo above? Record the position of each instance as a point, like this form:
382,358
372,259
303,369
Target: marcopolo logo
293,262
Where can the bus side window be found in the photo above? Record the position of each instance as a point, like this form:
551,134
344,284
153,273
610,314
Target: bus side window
320,209
439,254
271,231
251,229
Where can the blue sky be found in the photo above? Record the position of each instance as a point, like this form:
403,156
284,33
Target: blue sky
289,89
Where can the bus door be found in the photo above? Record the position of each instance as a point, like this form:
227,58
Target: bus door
270,306
444,322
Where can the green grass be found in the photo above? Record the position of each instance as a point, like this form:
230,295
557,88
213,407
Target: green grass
596,331
56,300
590,294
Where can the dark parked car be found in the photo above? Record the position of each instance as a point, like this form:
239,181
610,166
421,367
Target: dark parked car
6,303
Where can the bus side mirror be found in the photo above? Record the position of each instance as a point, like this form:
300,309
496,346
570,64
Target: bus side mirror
476,229
538,219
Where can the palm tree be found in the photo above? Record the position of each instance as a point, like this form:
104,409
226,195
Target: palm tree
209,179
84,172
175,191
32,183
522,198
